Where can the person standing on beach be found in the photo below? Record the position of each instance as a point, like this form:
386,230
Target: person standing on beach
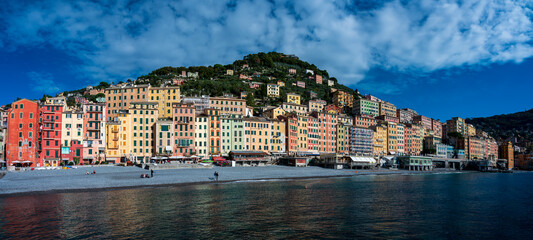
216,176
151,173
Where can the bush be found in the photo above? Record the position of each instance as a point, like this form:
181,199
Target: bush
97,162
71,163
61,164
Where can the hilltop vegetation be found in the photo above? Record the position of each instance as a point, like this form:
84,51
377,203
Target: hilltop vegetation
262,68
506,126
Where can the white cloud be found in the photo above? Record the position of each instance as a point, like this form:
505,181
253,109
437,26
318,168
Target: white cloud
42,82
126,39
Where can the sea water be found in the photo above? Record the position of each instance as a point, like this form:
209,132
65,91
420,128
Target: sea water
428,206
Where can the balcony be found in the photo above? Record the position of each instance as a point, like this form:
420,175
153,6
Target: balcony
114,130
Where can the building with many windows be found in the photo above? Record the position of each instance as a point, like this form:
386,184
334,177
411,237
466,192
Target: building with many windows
22,135
362,140
144,116
293,98
364,106
183,117
120,97
387,109
343,99
272,90
164,96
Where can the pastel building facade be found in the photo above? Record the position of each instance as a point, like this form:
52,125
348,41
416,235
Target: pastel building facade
364,106
22,134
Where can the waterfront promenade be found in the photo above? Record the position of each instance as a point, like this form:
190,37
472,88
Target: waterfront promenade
127,177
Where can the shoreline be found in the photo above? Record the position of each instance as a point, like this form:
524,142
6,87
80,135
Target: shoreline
112,178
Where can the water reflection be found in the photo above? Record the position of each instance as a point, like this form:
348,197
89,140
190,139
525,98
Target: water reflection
410,206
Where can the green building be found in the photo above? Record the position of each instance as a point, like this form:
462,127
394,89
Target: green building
415,163
363,106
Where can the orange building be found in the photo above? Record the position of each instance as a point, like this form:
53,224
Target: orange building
506,151
213,116
120,98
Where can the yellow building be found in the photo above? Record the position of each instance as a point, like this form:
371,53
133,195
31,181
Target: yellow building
457,124
471,130
342,98
277,140
120,97
144,116
295,108
71,128
380,139
258,134
118,138
272,90
316,105
273,112
293,98
387,109
343,138
392,137
164,96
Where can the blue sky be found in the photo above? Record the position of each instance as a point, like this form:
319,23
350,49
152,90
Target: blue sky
441,58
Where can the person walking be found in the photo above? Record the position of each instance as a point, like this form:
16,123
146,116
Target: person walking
216,176
152,173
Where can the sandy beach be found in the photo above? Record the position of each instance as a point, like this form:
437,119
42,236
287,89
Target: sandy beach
109,177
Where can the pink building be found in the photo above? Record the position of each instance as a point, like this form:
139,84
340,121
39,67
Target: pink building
244,77
254,85
436,126
327,131
424,121
93,132
387,118
292,71
318,79
300,84
183,116
400,137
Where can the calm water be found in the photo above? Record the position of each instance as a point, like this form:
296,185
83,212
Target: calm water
443,206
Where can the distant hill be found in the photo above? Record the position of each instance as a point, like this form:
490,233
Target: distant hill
261,67
507,126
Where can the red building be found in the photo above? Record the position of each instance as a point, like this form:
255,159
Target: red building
22,134
74,153
291,133
50,134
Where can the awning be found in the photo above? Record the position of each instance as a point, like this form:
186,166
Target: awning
15,161
27,161
367,160
88,157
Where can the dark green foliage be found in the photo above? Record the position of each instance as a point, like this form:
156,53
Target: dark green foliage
506,126
71,101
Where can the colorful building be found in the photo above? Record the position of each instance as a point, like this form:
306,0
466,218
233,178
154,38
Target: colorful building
343,139
213,115
362,140
457,124
343,99
257,134
506,151
164,96
94,120
387,109
327,131
144,116
228,105
273,112
233,137
51,116
364,106
400,136
380,139
316,105
272,90
406,115
424,121
22,135
120,98
277,140
364,121
201,136
165,138
295,108
183,117
293,98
